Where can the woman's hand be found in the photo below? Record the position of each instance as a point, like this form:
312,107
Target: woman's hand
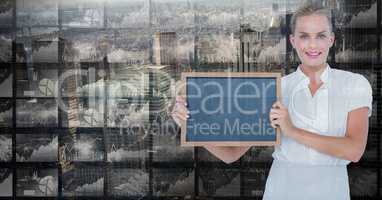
180,112
279,117
227,154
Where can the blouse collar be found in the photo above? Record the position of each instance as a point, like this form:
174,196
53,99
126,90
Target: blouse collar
324,76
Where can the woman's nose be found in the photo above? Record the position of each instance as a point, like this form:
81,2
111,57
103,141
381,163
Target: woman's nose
312,43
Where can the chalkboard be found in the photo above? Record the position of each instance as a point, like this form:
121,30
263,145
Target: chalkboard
230,108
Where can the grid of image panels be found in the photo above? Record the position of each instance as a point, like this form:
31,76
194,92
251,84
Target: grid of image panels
85,93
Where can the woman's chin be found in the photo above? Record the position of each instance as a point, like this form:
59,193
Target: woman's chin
314,64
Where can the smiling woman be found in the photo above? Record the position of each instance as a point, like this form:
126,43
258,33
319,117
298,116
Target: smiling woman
323,117
321,134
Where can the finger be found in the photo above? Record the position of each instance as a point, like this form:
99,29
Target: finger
276,126
182,109
274,116
182,112
273,111
277,122
278,114
279,104
270,118
174,113
183,103
177,121
182,117
179,106
273,125
180,99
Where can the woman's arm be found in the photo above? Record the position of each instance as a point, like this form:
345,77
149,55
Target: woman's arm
350,147
227,154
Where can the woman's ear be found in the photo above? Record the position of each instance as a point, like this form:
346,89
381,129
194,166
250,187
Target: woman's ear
291,40
332,39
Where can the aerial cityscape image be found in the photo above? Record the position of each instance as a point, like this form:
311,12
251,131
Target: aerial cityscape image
89,88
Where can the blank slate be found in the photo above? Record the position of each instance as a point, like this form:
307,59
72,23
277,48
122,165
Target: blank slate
230,108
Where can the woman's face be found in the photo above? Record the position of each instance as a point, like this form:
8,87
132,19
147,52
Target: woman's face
312,40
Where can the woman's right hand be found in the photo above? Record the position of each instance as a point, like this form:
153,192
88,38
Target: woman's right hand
180,112
227,154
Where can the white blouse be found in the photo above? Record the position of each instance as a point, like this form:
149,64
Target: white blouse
298,171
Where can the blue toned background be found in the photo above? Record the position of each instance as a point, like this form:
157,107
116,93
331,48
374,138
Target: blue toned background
227,110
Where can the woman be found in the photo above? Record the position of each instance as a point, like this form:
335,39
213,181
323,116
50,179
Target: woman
323,117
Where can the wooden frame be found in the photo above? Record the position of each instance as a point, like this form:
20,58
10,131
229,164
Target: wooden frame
183,91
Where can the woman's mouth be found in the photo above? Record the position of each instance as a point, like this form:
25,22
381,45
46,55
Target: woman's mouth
313,55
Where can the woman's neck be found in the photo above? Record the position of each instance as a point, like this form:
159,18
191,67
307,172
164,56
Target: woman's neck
314,73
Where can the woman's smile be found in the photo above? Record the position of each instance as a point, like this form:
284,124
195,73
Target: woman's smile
313,54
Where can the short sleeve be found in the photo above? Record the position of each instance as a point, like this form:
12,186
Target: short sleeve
284,93
360,94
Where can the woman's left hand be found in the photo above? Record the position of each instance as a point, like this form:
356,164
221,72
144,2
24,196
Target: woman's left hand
279,117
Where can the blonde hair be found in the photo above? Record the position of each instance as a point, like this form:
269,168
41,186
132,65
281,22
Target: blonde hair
311,9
